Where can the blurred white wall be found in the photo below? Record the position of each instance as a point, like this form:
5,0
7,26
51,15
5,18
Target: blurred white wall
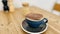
43,4
1,5
58,1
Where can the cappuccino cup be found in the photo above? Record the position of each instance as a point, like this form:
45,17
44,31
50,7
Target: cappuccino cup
35,20
36,23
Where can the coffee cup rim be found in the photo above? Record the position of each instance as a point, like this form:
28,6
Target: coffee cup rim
37,32
34,20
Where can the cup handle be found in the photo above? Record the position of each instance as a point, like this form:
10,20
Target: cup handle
35,33
45,20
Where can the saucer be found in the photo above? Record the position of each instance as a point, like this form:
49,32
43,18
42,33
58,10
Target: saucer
26,27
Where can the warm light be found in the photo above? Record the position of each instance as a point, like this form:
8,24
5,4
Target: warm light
57,7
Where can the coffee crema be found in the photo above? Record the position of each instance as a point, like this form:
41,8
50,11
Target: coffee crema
34,16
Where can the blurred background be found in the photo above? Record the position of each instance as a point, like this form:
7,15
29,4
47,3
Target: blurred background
52,6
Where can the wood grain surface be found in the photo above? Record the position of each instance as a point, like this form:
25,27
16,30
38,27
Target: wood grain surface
10,23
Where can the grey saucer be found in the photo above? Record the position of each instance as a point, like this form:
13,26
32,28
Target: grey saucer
34,30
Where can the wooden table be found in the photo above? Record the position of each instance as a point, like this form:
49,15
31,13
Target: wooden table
10,23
